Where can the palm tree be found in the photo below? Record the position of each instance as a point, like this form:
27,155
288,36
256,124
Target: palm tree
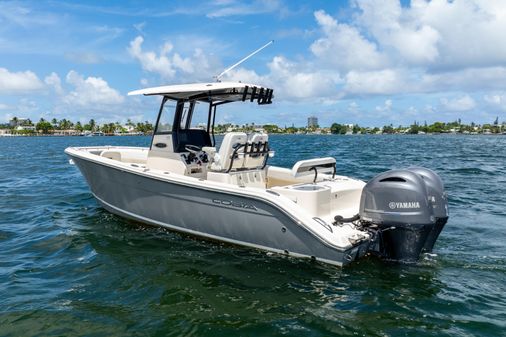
92,124
43,126
148,126
63,124
118,127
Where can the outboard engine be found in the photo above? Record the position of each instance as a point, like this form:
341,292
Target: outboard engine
407,209
438,198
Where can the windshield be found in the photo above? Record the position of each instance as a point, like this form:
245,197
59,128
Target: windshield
188,115
166,118
200,116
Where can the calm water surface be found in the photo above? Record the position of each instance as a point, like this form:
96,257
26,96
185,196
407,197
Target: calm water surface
68,267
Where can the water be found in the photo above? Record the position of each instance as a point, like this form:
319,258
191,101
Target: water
68,267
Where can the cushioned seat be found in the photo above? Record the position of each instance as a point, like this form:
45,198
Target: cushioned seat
256,151
232,142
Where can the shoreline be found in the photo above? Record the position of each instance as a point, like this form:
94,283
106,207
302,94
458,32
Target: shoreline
281,134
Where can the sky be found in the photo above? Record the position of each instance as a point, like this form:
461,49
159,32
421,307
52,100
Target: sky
358,61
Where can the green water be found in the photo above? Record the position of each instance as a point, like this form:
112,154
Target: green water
69,268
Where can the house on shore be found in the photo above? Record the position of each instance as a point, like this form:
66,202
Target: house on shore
25,128
5,132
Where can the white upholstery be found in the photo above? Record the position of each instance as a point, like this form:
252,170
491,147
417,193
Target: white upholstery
249,178
224,156
305,167
134,156
257,140
211,153
258,137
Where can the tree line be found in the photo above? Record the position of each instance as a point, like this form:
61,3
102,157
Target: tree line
46,127
416,128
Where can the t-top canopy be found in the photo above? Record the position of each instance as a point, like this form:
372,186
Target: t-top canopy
211,92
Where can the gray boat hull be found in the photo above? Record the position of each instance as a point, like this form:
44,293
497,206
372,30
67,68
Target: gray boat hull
227,217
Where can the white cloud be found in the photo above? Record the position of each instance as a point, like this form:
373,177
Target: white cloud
494,99
22,82
107,33
455,49
471,30
168,63
84,57
24,107
386,107
140,27
91,92
470,79
379,82
231,8
353,107
497,100
150,61
54,81
384,49
23,16
244,75
291,80
449,34
343,47
429,110
411,111
297,81
185,64
388,49
463,103
394,27
27,106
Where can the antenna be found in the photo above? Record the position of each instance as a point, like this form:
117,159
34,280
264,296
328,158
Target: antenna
241,61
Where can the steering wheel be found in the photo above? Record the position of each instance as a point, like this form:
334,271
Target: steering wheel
196,154
193,149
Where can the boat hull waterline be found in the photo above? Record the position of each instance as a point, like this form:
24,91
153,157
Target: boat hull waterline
217,215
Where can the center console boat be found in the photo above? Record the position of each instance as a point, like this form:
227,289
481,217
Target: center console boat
185,182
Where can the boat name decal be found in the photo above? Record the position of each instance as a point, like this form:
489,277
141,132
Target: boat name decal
234,204
409,204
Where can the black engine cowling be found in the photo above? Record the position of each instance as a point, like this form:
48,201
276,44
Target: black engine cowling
408,208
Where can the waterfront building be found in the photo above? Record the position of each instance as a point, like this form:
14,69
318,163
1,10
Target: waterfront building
5,132
129,128
15,122
67,132
312,122
25,128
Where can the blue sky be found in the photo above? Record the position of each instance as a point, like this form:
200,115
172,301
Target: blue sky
366,62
